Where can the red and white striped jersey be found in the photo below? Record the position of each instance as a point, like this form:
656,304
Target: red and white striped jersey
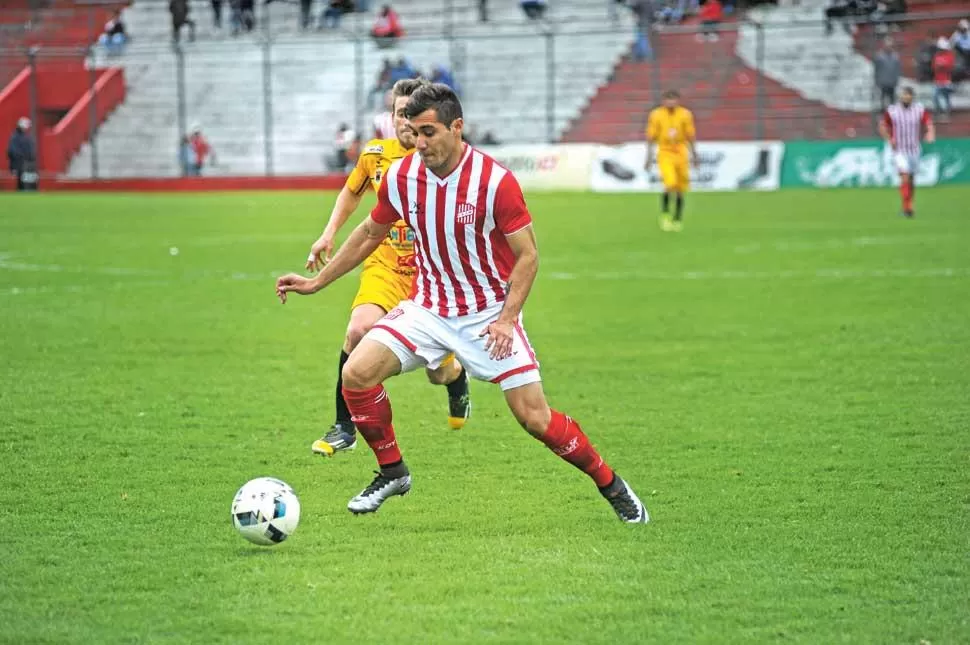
906,126
460,224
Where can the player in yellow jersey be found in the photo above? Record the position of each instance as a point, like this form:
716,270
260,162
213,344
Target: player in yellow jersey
387,276
671,129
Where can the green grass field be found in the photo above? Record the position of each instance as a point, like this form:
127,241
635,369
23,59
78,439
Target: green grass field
786,383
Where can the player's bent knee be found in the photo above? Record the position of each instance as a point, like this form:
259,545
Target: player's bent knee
355,334
529,406
438,377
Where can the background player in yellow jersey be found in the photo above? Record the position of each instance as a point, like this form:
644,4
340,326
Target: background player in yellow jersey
387,276
671,128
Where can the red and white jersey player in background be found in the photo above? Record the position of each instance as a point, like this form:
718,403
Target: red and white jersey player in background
477,258
905,125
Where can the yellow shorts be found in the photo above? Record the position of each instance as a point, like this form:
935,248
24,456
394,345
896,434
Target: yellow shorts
382,287
674,172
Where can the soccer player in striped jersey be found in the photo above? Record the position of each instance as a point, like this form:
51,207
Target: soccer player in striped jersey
387,276
476,257
904,125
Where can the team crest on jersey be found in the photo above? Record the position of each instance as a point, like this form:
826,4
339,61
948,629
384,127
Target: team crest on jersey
378,175
465,214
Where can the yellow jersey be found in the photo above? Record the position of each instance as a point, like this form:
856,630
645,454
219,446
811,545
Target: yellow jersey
396,252
670,130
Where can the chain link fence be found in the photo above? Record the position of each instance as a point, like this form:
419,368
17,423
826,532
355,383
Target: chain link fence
271,100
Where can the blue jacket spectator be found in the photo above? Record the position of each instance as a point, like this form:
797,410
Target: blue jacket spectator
402,70
440,74
21,154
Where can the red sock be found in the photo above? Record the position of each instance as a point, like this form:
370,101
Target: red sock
371,410
906,190
565,438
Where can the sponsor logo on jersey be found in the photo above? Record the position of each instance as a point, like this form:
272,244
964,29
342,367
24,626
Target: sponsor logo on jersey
376,149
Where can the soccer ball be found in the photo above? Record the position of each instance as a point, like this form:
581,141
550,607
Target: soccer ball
265,511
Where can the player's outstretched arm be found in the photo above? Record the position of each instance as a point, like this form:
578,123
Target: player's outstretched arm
322,250
930,131
886,133
361,243
526,252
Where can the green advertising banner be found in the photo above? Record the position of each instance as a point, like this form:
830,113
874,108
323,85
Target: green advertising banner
825,164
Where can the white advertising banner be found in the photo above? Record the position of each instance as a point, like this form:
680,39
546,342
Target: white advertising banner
546,166
751,165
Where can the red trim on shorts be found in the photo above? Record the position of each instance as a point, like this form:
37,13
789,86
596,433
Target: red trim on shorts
511,373
525,341
398,335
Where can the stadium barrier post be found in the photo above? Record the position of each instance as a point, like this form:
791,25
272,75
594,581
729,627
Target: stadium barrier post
93,112
359,82
268,107
180,92
759,127
32,64
550,87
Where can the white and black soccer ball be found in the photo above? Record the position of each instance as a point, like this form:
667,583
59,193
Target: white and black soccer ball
265,511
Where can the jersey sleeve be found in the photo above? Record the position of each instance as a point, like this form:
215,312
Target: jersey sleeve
511,213
689,130
384,212
359,177
927,118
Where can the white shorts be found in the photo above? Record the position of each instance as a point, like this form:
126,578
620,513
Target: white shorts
907,164
420,338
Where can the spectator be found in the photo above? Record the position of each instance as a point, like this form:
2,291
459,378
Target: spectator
353,152
483,10
114,36
242,16
306,10
201,152
387,28
216,13
675,11
384,121
441,74
21,153
961,42
180,18
711,15
887,69
534,9
645,12
342,144
402,70
383,83
186,157
334,12
488,139
943,63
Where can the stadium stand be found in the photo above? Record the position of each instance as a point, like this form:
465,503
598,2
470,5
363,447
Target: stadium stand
502,68
783,80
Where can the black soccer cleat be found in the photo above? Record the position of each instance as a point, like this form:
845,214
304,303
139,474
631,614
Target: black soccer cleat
625,502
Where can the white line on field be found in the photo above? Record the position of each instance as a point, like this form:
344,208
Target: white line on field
791,246
837,274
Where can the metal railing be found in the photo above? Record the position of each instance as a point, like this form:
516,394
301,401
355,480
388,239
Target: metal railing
267,100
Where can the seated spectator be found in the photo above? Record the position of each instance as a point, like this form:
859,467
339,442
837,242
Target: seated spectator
961,42
534,9
387,28
201,152
440,74
342,147
114,36
242,16
711,15
334,12
383,83
402,70
186,157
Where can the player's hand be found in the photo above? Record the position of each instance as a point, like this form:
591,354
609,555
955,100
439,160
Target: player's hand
320,253
930,137
499,343
295,283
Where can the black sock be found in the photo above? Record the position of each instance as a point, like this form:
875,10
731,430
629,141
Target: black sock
395,470
679,210
458,387
343,412
665,203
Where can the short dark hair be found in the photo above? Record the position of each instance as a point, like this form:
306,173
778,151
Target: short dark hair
438,97
671,94
408,86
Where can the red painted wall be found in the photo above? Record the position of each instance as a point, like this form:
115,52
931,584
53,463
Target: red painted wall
64,98
185,184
